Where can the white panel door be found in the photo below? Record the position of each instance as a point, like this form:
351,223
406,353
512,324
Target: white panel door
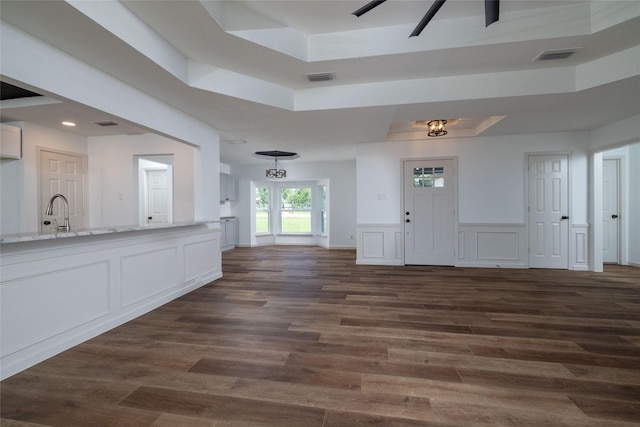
63,174
610,208
429,212
157,196
548,211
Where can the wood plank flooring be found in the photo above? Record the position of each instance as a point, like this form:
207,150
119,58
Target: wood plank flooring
301,336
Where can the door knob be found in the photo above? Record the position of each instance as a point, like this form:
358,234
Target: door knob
564,217
614,216
407,220
407,213
47,222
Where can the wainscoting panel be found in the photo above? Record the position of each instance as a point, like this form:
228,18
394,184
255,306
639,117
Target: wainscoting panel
497,245
479,245
57,293
37,307
373,244
492,245
379,244
197,259
580,253
148,273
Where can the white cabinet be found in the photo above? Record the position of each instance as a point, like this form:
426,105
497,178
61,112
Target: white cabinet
227,188
228,239
10,142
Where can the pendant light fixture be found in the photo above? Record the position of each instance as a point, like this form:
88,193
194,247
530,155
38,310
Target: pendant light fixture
437,128
277,171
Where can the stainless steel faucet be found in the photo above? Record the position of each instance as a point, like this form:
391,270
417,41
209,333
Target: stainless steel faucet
49,211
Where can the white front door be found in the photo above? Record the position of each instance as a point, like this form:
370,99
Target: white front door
429,212
61,173
548,211
157,196
610,209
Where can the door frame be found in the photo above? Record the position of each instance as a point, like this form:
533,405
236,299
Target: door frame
85,191
148,193
623,256
140,182
456,217
570,248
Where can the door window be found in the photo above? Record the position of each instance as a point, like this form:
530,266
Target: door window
428,177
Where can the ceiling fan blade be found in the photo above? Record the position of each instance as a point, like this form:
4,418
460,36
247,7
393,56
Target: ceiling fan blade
435,7
491,11
367,7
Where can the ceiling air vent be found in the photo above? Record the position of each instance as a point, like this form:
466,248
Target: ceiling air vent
106,123
321,77
547,55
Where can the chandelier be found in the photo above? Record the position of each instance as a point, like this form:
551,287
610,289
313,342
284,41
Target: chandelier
275,172
436,128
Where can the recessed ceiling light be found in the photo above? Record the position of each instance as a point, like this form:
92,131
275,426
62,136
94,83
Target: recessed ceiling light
236,142
70,124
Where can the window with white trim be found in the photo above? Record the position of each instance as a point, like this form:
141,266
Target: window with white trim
295,210
263,210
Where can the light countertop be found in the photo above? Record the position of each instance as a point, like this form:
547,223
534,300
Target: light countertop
30,237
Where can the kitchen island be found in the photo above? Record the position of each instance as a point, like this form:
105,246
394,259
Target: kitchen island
58,290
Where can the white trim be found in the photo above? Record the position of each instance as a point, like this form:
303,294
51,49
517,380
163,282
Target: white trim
527,156
580,242
32,334
492,245
623,207
379,244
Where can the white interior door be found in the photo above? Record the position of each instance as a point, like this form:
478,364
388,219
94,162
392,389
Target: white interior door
61,174
157,196
610,211
548,211
429,212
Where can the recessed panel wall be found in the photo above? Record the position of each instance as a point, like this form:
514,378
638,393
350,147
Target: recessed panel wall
148,273
37,307
58,293
197,259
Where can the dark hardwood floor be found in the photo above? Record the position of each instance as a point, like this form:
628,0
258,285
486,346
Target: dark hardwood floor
301,336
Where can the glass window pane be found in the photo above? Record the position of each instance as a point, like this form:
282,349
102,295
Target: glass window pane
439,170
262,210
428,182
438,182
295,210
323,209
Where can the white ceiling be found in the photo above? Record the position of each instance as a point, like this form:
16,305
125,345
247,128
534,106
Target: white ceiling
240,66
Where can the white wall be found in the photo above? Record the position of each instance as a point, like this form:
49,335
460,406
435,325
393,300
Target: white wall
620,133
20,198
491,175
341,178
619,137
24,59
113,177
634,205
